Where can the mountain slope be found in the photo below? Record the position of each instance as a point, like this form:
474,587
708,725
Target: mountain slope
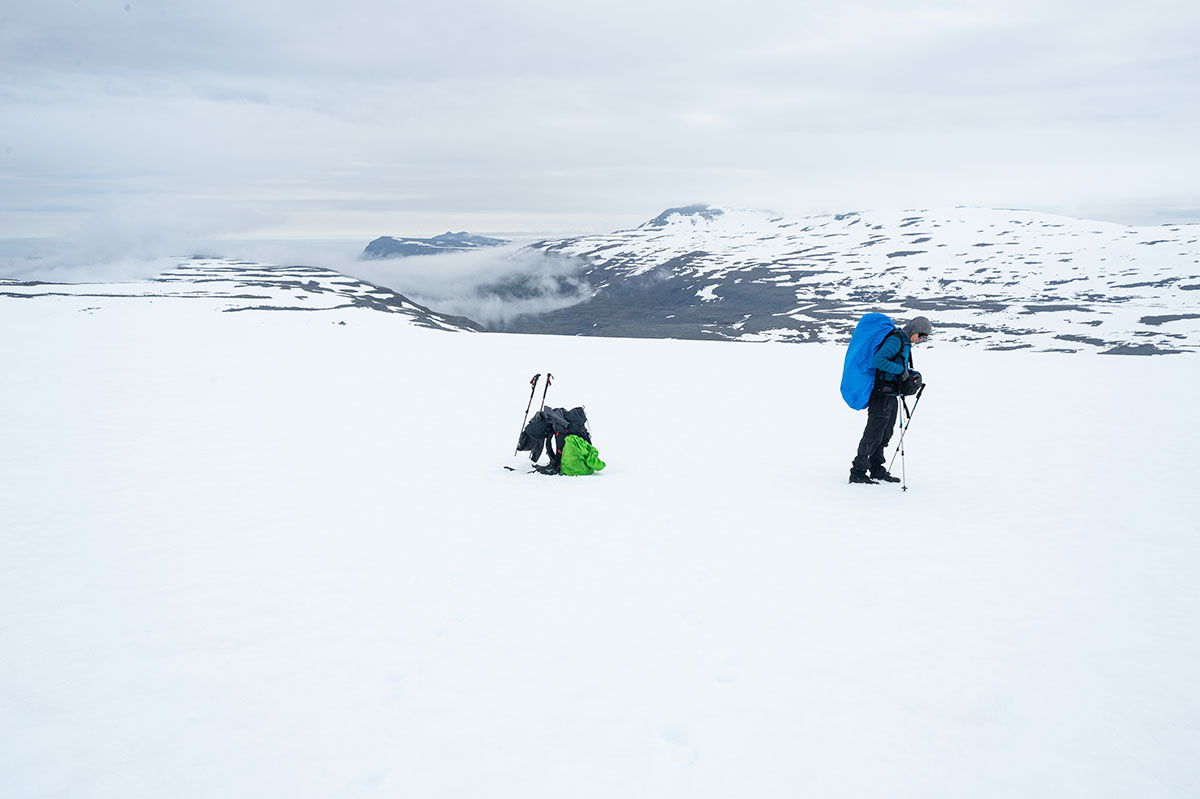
233,286
998,279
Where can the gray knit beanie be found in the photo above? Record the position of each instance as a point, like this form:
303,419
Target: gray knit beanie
919,324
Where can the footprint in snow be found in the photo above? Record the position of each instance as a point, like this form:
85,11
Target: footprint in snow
681,750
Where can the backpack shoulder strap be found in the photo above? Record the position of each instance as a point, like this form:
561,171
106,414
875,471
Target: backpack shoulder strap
894,331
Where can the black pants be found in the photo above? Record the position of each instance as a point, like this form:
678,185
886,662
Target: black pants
881,418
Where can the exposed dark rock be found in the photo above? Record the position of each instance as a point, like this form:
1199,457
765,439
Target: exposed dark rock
1139,349
390,247
702,211
1158,320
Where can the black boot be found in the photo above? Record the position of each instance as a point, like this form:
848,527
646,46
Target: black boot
884,477
859,477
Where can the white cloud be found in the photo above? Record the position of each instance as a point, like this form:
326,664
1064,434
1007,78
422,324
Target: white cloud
298,110
127,237
491,286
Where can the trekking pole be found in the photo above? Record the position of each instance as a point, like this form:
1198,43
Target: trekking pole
905,422
532,391
544,390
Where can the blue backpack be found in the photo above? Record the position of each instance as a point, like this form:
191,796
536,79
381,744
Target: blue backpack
858,376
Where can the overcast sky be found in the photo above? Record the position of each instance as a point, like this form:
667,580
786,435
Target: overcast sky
359,118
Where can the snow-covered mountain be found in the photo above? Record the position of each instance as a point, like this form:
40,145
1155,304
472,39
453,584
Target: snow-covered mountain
988,279
232,286
993,278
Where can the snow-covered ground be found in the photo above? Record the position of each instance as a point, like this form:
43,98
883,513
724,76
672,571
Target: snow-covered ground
268,554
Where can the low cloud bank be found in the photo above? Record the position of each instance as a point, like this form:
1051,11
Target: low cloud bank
136,239
492,286
124,238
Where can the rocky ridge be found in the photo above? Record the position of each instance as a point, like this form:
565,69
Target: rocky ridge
992,278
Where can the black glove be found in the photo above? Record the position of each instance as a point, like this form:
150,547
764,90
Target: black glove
910,383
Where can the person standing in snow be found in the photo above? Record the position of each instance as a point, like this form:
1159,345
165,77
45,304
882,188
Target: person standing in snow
892,364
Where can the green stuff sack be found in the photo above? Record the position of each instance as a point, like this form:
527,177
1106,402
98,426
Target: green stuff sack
579,457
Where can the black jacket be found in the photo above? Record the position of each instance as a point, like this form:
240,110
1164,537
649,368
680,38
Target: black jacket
549,428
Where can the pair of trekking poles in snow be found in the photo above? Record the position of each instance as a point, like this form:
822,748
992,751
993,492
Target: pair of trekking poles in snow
533,390
905,421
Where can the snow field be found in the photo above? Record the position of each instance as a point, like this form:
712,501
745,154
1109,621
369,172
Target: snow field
264,554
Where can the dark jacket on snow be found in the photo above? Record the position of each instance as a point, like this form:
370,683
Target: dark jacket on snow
548,430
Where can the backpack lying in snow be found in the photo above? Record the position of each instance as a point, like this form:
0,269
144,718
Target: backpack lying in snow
564,436
858,375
